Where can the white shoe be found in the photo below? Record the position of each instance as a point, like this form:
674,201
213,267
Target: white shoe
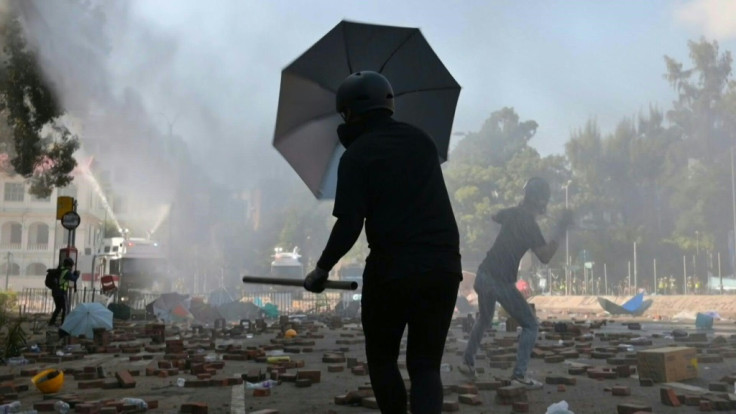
530,384
467,370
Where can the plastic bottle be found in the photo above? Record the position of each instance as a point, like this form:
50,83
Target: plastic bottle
12,407
262,384
180,382
137,402
61,407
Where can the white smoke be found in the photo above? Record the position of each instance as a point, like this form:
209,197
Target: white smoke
714,18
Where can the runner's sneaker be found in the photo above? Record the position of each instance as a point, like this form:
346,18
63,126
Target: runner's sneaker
527,382
467,370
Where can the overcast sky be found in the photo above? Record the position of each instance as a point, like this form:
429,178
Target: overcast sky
559,63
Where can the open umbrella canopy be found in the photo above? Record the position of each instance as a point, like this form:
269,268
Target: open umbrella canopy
204,313
86,317
425,95
219,297
170,307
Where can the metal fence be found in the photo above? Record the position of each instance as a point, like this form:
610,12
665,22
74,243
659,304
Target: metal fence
294,302
39,300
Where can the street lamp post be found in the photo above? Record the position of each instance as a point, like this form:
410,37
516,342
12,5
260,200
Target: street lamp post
567,246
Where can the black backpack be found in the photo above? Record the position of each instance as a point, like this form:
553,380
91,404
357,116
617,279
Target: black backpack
52,278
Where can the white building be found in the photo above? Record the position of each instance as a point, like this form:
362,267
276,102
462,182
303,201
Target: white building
30,235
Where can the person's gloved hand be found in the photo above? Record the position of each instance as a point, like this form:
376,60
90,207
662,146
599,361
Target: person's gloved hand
315,280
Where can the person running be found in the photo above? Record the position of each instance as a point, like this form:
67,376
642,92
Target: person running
59,291
496,276
390,178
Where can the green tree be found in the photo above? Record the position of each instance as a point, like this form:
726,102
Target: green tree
42,148
700,112
704,120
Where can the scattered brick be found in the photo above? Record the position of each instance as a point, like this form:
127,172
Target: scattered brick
369,402
303,383
85,385
261,392
470,399
125,379
620,391
719,386
313,375
646,382
632,408
194,408
466,389
520,407
450,406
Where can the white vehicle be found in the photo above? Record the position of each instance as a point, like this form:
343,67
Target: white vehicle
136,265
287,264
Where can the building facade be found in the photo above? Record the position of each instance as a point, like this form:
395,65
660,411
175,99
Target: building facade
30,235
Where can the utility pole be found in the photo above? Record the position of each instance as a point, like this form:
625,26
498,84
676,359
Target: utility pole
567,246
654,286
636,284
733,204
7,270
684,274
720,275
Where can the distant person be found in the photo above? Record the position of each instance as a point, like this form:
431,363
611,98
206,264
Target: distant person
59,292
390,178
496,276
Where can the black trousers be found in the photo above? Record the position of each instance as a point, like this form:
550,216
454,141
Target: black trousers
59,305
424,302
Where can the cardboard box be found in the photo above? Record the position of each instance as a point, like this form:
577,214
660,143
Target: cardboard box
668,364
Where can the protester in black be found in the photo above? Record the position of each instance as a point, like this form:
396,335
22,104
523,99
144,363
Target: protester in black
390,177
497,274
59,292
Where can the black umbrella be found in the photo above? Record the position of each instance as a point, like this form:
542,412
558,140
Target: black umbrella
425,94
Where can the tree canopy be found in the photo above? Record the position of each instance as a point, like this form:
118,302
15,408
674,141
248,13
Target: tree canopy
40,148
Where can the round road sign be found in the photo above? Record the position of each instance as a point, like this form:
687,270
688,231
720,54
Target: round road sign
70,220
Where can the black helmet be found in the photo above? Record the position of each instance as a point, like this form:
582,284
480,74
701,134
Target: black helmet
68,261
537,193
364,91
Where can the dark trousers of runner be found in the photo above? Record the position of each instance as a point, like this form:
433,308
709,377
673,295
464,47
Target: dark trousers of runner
59,305
425,303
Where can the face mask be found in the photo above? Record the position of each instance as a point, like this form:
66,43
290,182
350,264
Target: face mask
347,133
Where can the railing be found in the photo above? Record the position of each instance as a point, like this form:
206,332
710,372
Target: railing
10,246
295,302
37,247
39,300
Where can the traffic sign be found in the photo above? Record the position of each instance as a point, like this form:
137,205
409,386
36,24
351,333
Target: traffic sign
64,204
70,220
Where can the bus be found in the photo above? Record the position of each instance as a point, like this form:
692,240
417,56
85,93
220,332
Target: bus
138,266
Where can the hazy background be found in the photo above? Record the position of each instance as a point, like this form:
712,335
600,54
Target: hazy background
210,70
199,82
